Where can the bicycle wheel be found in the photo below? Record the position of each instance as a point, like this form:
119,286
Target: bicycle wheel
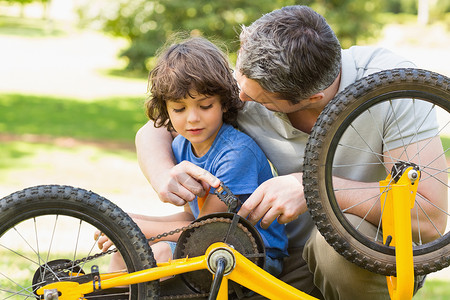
355,144
46,231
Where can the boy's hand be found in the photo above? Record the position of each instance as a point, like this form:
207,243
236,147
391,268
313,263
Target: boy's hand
103,242
183,182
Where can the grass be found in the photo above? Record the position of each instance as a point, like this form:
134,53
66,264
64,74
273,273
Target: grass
434,290
29,27
112,119
24,270
115,119
446,145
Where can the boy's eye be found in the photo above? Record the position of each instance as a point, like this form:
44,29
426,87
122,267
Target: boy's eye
178,110
206,106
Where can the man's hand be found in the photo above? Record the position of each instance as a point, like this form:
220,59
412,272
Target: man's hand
183,182
279,198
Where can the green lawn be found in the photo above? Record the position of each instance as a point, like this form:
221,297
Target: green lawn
101,120
434,290
115,119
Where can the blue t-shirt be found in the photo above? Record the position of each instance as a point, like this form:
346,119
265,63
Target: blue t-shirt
241,165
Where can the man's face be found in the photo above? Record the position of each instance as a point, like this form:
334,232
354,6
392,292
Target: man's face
250,90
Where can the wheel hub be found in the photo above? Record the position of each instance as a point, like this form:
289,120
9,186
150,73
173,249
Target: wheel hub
53,271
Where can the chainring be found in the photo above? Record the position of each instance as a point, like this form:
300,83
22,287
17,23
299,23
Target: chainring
229,228
54,271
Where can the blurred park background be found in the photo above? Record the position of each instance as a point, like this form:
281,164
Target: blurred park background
73,80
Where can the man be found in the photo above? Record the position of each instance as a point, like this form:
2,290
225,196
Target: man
290,65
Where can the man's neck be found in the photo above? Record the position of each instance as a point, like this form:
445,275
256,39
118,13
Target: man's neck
305,119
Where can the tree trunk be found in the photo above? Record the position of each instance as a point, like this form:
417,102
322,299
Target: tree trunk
423,12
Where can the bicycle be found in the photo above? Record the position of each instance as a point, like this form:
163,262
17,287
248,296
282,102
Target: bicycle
38,225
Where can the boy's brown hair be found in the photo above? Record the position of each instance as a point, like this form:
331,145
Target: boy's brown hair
197,65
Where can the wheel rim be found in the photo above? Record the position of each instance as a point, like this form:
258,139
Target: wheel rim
38,239
394,98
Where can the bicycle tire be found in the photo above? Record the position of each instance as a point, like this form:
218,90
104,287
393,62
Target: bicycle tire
321,165
36,226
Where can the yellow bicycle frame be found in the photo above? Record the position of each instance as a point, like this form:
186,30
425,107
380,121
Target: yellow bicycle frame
396,208
396,221
244,272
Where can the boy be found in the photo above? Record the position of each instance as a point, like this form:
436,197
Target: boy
194,93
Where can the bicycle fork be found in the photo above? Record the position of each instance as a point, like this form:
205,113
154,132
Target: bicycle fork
398,196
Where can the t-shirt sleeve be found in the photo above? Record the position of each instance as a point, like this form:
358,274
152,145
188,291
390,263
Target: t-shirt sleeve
242,169
409,121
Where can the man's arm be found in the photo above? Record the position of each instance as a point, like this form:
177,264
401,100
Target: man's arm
174,183
431,199
283,198
279,198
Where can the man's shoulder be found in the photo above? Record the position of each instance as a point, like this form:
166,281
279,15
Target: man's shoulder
377,57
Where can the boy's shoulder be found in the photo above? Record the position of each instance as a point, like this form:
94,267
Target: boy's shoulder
231,134
235,140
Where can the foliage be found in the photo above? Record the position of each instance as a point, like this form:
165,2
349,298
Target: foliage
352,20
401,6
23,2
148,24
441,11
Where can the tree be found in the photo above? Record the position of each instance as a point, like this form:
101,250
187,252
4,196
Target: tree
147,24
351,20
25,2
423,12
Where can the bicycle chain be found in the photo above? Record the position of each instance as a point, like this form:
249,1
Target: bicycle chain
222,192
86,259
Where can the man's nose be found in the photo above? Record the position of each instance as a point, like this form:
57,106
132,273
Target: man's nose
244,96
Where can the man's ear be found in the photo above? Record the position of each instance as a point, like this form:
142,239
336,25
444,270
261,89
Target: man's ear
316,97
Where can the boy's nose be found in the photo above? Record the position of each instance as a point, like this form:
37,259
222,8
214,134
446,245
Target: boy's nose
193,115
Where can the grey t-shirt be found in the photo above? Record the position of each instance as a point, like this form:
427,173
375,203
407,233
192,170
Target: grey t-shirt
284,145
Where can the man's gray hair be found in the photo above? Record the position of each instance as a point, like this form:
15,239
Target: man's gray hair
291,52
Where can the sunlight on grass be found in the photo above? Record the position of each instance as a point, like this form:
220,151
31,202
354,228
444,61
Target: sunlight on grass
29,27
434,290
446,145
110,119
21,154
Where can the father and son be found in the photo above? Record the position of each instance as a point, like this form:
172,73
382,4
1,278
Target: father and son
205,128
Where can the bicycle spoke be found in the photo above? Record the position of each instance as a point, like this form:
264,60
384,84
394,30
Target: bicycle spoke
382,126
76,246
15,293
57,243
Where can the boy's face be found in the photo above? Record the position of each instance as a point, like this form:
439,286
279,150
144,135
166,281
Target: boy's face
198,119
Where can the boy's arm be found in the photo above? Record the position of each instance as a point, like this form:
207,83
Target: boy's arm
212,205
152,226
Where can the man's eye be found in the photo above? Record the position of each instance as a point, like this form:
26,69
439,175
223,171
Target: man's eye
206,106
